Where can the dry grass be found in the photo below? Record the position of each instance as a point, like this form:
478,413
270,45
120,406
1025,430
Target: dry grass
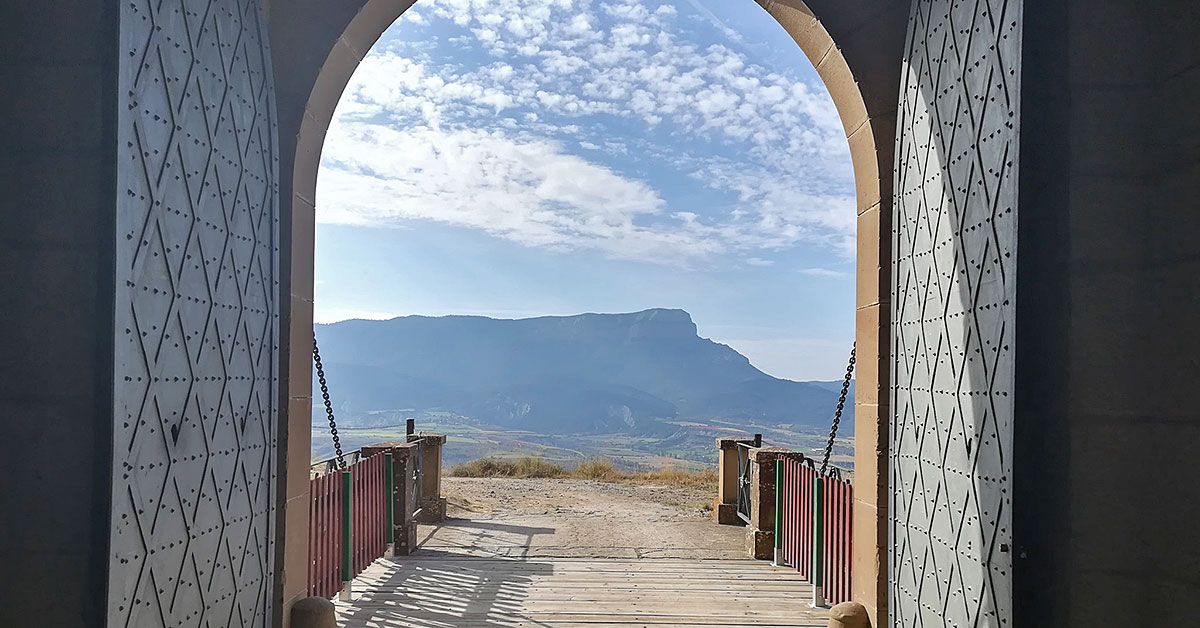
602,470
676,477
599,470
521,468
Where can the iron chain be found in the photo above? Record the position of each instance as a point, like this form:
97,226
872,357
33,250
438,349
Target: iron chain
337,443
837,414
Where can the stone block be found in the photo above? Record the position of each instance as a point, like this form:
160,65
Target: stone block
870,187
295,546
761,528
299,447
870,380
871,284
727,473
406,538
726,514
300,359
302,247
849,615
313,612
433,510
433,505
870,458
839,80
762,486
760,544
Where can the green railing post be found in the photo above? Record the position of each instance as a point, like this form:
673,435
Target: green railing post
389,506
778,510
347,514
818,550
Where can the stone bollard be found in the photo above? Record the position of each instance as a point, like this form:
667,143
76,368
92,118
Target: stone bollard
760,532
849,615
433,505
725,505
313,612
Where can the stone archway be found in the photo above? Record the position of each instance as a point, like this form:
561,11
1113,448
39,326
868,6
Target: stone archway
854,52
1103,440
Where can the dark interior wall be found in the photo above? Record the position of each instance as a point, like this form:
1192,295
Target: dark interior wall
1107,470
57,69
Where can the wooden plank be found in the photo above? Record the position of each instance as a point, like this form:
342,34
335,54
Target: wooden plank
453,590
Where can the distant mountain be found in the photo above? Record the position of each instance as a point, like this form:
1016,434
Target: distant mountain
561,374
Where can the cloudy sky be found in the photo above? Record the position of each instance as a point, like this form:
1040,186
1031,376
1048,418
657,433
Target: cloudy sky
515,158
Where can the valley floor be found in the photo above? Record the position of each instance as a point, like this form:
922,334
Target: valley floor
570,553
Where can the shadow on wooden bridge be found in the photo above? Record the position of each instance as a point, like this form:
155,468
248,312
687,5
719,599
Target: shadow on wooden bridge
483,577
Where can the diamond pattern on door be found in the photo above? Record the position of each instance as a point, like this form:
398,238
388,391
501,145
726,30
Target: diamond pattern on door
953,300
197,325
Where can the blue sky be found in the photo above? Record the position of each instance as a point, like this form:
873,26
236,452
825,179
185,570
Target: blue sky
516,158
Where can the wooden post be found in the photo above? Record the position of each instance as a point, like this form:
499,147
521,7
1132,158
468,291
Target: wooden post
389,505
818,560
347,537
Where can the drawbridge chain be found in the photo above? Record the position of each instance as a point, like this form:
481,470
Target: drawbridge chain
837,414
337,443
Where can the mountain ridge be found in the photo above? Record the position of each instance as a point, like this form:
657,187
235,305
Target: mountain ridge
591,372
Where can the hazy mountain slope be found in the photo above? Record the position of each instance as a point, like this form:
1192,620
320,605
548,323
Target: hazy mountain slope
591,372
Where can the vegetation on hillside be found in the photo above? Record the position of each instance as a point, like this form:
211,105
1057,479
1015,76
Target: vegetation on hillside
599,470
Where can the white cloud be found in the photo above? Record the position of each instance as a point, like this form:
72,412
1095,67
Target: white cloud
822,272
490,147
527,191
758,261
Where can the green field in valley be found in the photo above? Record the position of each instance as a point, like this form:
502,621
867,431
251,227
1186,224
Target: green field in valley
687,445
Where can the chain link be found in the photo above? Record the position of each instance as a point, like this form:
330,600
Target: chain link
837,414
337,443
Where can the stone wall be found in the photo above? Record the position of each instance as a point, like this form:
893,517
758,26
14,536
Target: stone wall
1108,298
57,197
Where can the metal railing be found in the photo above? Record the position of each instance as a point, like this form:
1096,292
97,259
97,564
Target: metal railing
330,465
813,523
349,526
355,512
745,498
325,535
416,483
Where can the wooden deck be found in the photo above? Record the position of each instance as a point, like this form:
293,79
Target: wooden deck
441,589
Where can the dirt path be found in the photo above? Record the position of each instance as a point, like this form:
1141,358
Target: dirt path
579,518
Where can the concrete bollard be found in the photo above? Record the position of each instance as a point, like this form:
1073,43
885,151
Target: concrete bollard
849,615
313,612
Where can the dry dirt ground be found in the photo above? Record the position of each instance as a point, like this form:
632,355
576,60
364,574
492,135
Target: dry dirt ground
579,518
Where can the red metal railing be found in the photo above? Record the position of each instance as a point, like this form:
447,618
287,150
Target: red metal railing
325,535
799,533
328,556
839,501
368,518
796,520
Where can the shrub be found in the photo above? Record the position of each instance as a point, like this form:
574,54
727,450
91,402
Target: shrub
600,470
537,468
603,470
677,477
526,467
